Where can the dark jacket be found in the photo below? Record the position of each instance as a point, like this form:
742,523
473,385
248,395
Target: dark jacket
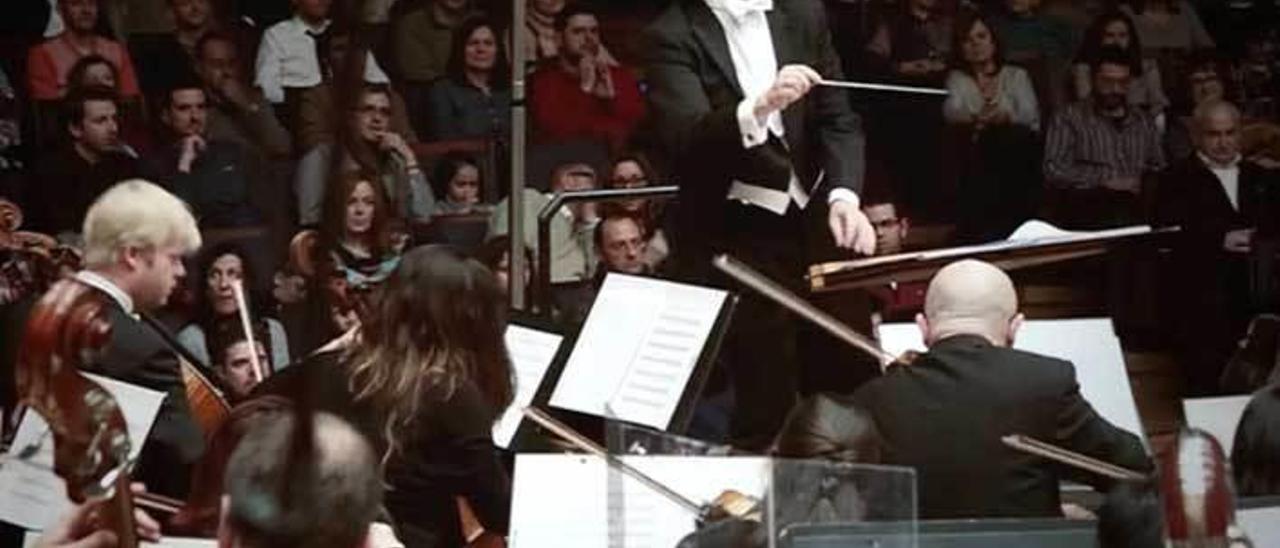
66,185
218,186
944,415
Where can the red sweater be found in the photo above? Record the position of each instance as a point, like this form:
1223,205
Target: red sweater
562,111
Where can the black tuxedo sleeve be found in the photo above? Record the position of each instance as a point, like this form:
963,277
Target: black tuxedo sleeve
842,143
1082,430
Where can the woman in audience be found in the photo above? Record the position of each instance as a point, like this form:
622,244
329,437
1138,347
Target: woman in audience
93,70
458,185
473,100
1168,26
1114,28
219,267
633,170
356,234
995,105
1255,455
366,143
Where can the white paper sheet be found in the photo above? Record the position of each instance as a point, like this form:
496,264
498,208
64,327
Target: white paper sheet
531,354
1262,525
31,495
1089,343
1217,416
637,349
571,501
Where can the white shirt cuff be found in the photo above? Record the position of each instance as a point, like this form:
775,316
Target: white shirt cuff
843,194
754,130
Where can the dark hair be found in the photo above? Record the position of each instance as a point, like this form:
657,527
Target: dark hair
1110,55
205,315
437,325
333,220
965,21
640,159
226,332
1140,6
570,11
1092,44
446,168
333,488
75,76
1255,455
652,209
825,426
215,36
597,233
500,75
351,144
1131,516
73,104
187,80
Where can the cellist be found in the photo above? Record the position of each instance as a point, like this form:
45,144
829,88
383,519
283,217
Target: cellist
136,235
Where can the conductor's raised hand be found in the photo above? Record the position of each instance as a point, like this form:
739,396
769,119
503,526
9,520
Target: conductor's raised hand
850,228
792,83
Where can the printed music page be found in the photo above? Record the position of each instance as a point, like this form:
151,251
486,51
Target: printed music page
31,495
1218,416
637,350
572,501
532,352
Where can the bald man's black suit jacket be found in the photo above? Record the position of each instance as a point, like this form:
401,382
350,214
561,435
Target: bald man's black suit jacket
944,415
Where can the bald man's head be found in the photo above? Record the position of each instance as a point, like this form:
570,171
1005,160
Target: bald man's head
970,297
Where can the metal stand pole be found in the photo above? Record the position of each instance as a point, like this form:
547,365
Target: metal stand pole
516,262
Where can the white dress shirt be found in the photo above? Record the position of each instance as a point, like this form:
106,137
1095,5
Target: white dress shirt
1228,176
101,283
287,59
746,29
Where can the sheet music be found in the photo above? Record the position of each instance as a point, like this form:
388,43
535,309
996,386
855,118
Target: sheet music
1262,525
532,352
1217,416
1088,343
165,542
570,501
637,349
31,495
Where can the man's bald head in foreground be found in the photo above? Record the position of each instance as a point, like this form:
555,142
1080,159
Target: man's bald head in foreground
970,297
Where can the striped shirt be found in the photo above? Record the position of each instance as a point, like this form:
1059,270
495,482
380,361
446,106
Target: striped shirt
1084,149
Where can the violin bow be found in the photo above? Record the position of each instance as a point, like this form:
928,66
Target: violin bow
582,442
762,284
237,289
1052,452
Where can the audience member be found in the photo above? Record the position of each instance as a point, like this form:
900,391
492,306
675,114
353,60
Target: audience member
579,95
356,233
458,185
1099,150
473,100
221,266
237,112
96,71
571,228
543,43
633,170
290,56
233,357
93,70
213,176
1165,25
1115,29
496,255
366,143
1131,516
49,63
945,413
172,54
421,42
913,41
995,104
1255,454
1260,75
620,242
897,301
1225,207
91,160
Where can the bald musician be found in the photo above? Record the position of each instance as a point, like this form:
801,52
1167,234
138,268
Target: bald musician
945,413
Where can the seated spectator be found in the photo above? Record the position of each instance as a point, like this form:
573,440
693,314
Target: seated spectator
220,266
1099,150
633,170
1255,454
579,95
897,301
213,176
1260,75
49,63
93,71
366,143
356,238
496,254
237,112
233,358
287,57
1115,29
1165,25
90,160
96,71
1206,80
912,42
1225,207
996,105
542,42
571,228
1038,41
421,43
458,185
621,243
170,55
473,100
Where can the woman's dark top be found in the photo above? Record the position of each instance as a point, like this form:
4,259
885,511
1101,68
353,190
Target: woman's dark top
449,453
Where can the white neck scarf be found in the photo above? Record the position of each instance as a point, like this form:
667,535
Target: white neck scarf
738,9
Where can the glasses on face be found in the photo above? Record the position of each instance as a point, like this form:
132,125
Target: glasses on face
635,181
885,224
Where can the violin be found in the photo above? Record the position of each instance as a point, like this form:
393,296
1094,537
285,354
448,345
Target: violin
1198,495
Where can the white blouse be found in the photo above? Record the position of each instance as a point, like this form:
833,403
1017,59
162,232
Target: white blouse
1014,95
